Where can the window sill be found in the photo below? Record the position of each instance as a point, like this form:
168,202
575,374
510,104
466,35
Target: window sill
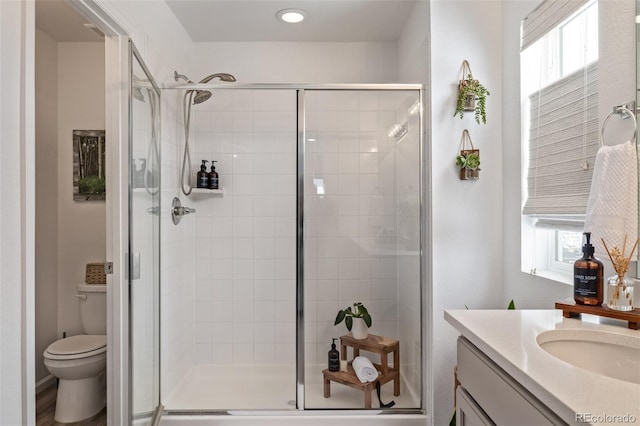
560,277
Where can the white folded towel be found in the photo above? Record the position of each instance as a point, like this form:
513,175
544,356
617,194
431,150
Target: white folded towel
364,369
612,208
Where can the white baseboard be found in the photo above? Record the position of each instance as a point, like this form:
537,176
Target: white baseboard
45,383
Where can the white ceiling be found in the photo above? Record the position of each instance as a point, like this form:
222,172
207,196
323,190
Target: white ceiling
328,20
62,22
253,20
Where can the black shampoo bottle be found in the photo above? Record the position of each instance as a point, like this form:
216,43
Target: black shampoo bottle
214,183
334,357
203,176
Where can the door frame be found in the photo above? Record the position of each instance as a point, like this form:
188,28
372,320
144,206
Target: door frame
117,75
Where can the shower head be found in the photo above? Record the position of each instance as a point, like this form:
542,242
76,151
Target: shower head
201,96
221,75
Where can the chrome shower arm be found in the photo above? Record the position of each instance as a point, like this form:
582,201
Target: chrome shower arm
178,76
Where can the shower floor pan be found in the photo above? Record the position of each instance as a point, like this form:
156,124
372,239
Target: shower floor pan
247,387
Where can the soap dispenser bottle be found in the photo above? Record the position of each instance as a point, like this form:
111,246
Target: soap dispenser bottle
334,357
588,276
203,176
213,176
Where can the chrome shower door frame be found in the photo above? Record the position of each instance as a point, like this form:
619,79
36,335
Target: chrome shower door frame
300,278
424,232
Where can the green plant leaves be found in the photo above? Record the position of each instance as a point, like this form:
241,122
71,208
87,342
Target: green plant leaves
473,161
91,185
347,315
469,161
471,87
367,319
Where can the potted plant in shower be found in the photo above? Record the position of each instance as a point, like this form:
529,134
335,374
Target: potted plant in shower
357,319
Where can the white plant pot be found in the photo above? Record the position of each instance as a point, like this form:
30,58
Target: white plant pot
359,329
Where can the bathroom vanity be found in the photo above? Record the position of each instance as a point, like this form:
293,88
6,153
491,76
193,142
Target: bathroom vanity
534,367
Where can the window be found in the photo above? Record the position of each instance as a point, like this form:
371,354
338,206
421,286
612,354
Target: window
559,75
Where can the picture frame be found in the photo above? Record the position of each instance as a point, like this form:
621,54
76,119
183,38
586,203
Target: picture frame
89,165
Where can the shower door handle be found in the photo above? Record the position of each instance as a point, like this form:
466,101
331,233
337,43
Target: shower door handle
178,210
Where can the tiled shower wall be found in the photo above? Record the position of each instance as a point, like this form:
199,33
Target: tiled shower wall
350,188
245,251
245,255
177,253
362,220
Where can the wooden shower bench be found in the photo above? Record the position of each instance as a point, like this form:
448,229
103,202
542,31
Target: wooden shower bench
374,344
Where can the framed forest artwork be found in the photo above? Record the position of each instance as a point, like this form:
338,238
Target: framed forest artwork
88,165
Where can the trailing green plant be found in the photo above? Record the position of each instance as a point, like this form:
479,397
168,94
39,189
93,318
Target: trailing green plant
472,87
347,315
511,306
470,161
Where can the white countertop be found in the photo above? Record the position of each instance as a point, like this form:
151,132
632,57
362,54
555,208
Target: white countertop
508,337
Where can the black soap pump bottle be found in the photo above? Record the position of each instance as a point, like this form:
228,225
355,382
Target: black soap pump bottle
203,176
588,276
213,176
334,357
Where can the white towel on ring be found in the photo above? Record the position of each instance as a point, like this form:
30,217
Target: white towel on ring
612,208
364,369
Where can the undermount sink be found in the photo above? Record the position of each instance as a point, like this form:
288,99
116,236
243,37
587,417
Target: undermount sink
612,355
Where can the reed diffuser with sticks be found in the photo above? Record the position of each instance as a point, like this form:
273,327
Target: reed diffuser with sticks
620,287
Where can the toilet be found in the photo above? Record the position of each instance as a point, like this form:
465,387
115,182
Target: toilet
80,361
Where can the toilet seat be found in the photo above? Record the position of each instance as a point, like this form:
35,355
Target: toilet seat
77,347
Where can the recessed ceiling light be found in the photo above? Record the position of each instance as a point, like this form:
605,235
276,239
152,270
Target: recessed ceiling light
291,16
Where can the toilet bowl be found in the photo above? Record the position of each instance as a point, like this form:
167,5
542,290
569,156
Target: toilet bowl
79,362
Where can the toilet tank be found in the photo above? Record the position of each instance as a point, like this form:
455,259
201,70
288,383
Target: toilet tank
93,308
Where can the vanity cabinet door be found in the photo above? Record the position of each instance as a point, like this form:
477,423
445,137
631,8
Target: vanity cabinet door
468,413
503,399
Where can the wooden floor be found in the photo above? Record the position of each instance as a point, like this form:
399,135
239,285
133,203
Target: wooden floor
46,408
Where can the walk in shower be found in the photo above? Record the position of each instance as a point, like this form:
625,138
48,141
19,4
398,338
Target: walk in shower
321,204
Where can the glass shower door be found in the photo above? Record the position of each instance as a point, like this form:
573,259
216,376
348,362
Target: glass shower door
362,207
144,244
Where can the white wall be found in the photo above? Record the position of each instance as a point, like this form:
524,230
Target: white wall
81,224
467,215
17,199
413,47
69,234
280,62
46,168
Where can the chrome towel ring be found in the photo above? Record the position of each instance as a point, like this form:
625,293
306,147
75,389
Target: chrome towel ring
624,111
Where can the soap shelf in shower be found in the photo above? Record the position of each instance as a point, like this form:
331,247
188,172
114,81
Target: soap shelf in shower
199,193
570,309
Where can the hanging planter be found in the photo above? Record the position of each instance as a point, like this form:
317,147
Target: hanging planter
469,159
472,96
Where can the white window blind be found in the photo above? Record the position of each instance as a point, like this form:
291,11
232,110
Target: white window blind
563,136
545,17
